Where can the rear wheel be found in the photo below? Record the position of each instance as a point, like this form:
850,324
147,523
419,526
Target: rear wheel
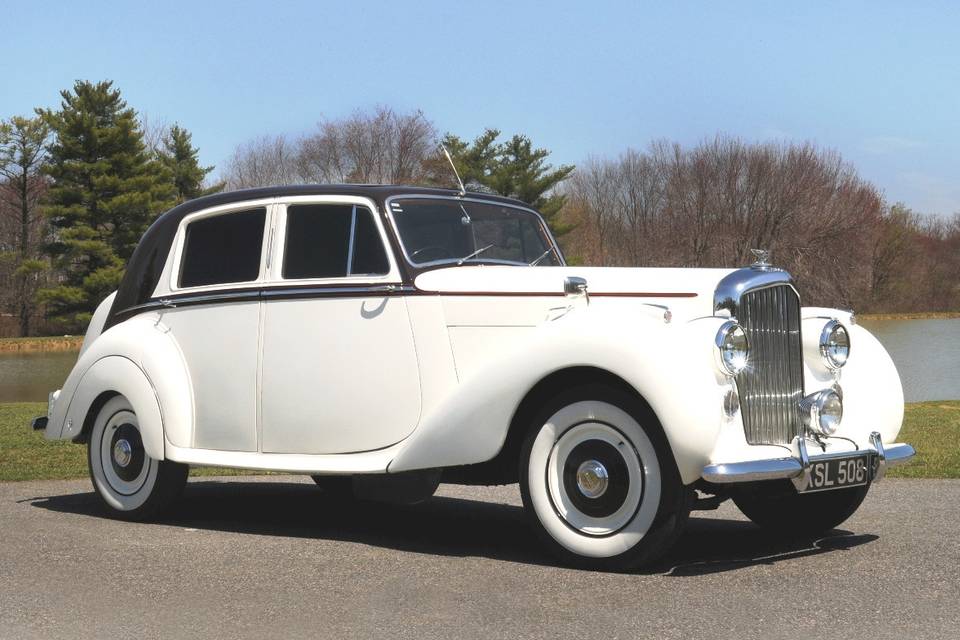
131,484
598,481
781,509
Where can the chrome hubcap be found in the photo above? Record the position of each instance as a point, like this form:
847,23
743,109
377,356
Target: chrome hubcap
122,453
592,479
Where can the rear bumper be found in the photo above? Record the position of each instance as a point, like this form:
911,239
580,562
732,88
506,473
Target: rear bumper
40,422
797,467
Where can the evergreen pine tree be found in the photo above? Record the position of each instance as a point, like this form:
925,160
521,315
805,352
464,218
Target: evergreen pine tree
107,189
179,156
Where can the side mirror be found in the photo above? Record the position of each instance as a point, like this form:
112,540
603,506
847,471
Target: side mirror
576,286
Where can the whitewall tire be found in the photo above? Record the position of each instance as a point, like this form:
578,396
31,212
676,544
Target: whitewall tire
131,484
599,482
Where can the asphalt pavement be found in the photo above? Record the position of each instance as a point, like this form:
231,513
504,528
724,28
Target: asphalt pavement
273,557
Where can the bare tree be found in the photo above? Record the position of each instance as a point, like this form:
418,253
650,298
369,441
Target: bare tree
155,130
378,147
22,153
265,161
709,205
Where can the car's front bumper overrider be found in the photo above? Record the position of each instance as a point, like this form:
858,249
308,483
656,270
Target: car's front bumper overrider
795,467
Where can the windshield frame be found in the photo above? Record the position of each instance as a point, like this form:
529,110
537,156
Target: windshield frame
544,228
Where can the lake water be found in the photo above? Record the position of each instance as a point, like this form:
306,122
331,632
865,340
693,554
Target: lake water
29,377
927,354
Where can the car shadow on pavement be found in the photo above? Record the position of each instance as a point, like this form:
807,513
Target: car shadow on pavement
444,525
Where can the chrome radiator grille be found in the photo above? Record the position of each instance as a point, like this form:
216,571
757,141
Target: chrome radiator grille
771,387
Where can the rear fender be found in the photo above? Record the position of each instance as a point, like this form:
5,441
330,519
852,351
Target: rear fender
139,360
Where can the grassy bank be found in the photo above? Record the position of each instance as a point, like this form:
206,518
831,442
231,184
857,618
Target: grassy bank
50,343
918,315
932,427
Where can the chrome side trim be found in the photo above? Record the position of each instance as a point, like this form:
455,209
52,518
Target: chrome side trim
275,292
788,468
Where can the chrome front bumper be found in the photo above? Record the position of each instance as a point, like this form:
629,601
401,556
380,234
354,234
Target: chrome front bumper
798,467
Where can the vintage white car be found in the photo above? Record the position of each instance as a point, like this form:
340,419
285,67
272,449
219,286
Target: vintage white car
385,338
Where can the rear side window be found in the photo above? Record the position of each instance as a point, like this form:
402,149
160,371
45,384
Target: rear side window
332,241
223,249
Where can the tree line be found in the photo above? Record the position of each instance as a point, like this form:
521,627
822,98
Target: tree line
80,184
709,205
78,187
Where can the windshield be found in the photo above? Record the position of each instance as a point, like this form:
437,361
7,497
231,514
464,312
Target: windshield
446,230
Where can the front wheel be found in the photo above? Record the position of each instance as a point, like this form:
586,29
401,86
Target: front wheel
131,484
599,483
779,508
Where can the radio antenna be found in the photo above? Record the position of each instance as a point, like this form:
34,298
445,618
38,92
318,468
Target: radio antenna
463,190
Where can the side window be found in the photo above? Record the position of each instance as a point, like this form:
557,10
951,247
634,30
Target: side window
369,257
224,248
332,241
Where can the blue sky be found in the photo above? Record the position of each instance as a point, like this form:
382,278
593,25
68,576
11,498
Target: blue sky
877,81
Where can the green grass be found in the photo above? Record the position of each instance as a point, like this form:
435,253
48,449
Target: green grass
932,427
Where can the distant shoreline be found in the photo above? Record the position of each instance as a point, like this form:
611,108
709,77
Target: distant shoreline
919,315
40,344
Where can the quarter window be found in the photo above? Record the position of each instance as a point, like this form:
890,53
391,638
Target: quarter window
222,249
332,241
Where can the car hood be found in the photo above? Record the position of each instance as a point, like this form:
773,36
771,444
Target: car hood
681,289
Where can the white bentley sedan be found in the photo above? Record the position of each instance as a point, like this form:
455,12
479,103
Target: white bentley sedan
384,338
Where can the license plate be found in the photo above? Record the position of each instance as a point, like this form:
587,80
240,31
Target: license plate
838,473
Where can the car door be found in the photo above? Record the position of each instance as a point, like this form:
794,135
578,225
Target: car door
338,363
213,313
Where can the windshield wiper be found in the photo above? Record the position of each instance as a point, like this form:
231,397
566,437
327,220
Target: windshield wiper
473,255
542,256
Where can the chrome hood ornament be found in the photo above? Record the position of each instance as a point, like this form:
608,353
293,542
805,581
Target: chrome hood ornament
762,261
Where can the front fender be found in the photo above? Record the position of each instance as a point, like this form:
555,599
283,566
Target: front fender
670,365
872,391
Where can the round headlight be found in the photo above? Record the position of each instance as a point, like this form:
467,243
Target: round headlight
733,349
834,345
823,411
